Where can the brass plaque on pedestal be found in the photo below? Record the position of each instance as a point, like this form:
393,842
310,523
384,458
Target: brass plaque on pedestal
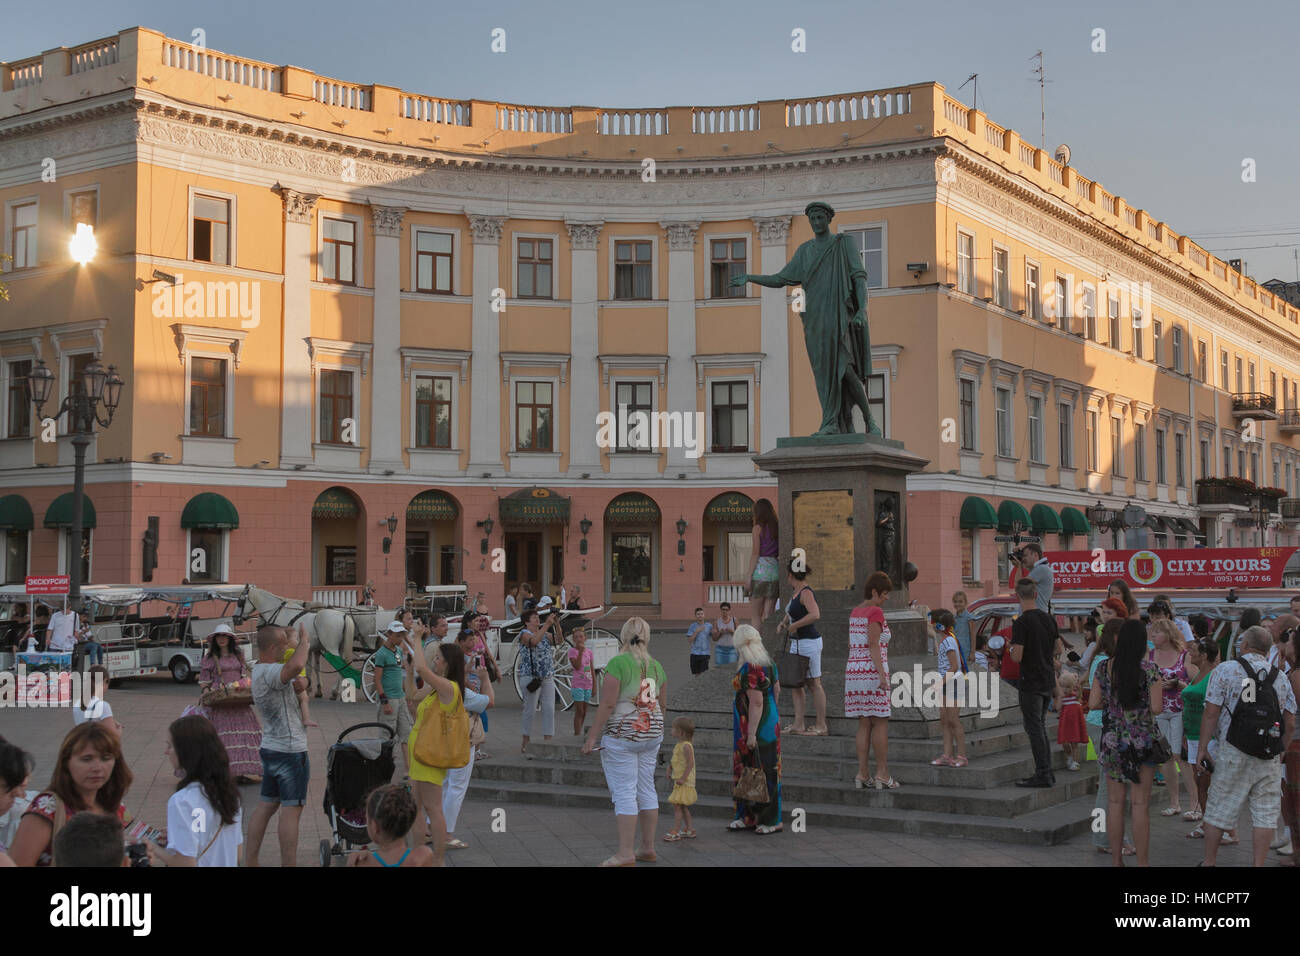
823,527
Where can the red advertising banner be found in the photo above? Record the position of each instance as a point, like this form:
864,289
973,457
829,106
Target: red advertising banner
1171,568
49,584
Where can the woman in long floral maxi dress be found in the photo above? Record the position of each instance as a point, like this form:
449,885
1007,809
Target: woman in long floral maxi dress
757,674
237,726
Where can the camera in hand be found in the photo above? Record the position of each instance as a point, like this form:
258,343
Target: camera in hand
138,853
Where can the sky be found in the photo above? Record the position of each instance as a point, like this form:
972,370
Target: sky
1163,106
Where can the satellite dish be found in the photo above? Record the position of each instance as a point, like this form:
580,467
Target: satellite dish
1063,155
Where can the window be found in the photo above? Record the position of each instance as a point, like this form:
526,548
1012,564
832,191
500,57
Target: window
1205,458
871,247
1090,436
1287,486
969,555
1116,446
1180,459
1140,452
1277,473
1178,348
433,261
1241,463
1227,460
632,269
1001,279
1286,394
726,259
77,364
1237,361
1161,477
22,239
1202,362
1035,428
1254,467
1272,386
1063,301
1065,418
212,542
1090,313
15,556
19,417
338,252
335,404
534,267
1112,314
730,416
1223,369
432,411
634,400
1002,412
1033,302
533,416
65,546
208,397
965,263
340,564
967,414
876,401
1155,340
210,230
83,208
1138,345
1251,378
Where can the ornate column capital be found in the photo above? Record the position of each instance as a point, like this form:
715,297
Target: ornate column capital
387,220
681,235
297,205
584,235
485,230
773,230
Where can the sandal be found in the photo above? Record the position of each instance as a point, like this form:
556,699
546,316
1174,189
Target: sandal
1197,834
819,732
1229,840
615,861
647,858
796,731
454,844
861,783
1171,812
764,830
738,825
890,784
943,760
672,836
1128,850
1192,816
960,762
688,834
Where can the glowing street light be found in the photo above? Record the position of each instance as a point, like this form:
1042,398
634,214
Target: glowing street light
83,245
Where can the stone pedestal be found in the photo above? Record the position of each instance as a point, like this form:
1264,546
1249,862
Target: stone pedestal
831,492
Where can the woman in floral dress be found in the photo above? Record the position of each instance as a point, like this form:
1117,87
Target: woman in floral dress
756,731
1129,693
866,682
237,725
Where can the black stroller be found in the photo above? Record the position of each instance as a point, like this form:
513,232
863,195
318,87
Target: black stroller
353,769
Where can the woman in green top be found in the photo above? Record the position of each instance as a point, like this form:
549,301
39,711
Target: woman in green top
630,724
1204,657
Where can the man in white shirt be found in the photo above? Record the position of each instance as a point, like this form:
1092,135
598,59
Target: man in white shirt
63,627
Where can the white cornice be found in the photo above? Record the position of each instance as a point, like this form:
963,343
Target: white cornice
189,335
609,363
359,351
549,360
733,360
457,357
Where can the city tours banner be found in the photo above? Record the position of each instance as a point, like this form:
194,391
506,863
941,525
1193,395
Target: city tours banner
1171,567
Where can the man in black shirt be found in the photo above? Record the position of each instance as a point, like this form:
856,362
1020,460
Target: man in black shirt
1033,642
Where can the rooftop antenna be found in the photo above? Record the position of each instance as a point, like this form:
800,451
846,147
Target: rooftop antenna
1041,71
974,79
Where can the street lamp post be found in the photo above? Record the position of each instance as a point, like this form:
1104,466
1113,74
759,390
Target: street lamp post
98,386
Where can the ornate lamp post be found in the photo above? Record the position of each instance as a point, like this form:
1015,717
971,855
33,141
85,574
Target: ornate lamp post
97,386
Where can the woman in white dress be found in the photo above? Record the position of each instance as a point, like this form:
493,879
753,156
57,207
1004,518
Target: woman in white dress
866,682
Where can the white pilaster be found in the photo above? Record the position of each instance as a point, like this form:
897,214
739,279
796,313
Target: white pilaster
485,384
774,402
682,393
584,341
295,420
385,381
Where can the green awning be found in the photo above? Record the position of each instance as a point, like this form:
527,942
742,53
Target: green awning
978,513
432,506
532,506
731,508
15,513
1043,520
335,503
1073,522
59,514
632,508
209,510
1010,511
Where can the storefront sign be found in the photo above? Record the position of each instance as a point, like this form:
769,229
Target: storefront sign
431,506
534,506
632,508
1171,568
731,508
48,584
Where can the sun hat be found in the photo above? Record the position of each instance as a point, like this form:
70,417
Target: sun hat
222,628
397,627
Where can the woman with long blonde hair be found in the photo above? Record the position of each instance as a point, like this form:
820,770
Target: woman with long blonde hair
630,728
756,731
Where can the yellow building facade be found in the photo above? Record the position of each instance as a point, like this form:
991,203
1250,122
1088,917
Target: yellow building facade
375,335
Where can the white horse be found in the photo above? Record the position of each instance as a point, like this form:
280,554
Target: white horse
329,629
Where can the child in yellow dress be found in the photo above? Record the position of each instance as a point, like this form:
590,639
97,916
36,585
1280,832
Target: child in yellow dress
681,774
300,681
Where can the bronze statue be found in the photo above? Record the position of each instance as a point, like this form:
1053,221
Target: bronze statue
830,270
886,538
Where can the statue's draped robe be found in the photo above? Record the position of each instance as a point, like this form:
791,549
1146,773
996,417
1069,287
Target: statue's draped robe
827,271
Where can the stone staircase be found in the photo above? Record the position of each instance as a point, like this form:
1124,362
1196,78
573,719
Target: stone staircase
979,801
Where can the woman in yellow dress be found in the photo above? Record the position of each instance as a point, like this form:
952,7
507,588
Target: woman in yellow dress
442,668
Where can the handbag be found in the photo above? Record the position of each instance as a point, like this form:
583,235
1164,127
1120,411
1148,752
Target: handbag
1161,751
752,785
476,734
442,739
791,668
536,682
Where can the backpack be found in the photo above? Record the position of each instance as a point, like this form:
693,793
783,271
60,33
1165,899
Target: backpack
1256,726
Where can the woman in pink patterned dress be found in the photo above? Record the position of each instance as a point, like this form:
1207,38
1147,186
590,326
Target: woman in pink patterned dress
866,682
237,726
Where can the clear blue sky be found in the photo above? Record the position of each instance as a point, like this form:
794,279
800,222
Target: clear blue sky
1184,92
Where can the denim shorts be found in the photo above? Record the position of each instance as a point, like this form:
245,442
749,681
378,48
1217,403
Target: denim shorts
581,695
284,777
724,655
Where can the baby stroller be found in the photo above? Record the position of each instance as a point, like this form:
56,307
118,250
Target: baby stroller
353,769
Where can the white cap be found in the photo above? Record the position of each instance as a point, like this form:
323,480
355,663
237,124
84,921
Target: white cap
396,628
544,602
995,643
222,628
